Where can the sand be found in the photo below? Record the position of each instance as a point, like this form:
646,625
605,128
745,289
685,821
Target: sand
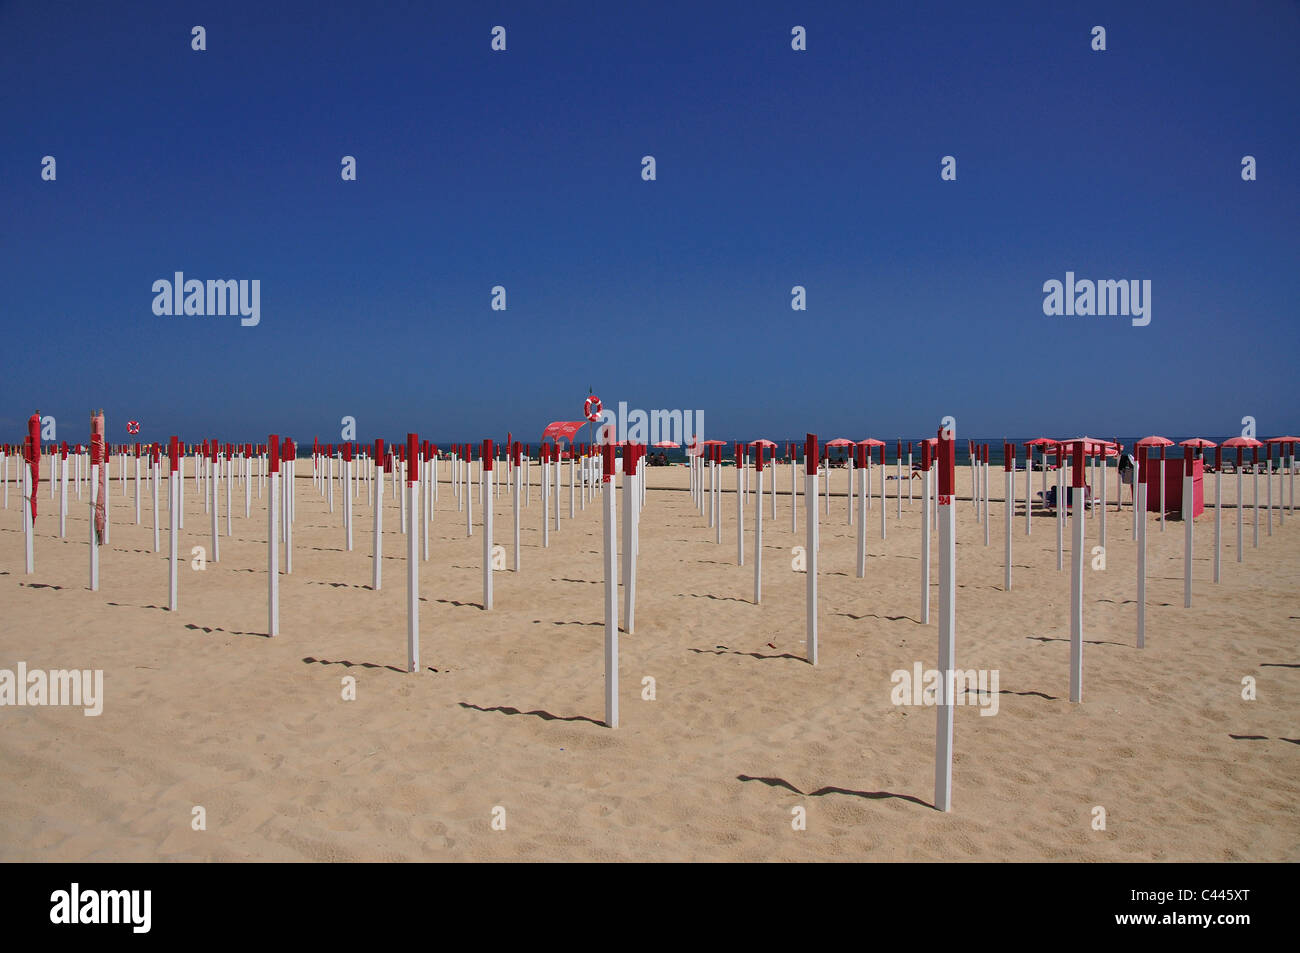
203,710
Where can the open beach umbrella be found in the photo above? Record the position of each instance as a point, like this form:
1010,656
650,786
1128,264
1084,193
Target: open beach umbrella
1154,441
1245,442
667,443
870,442
1198,443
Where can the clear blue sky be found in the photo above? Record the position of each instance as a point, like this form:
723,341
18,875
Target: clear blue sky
775,168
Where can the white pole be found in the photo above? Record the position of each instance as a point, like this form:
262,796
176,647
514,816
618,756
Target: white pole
794,491
377,540
1268,483
862,523
898,490
347,505
175,482
984,485
1254,476
1060,510
212,493
1218,515
629,536
1162,489
518,471
1010,498
155,476
63,498
715,501
286,493
273,541
466,493
546,500
925,536
489,461
610,535
1029,486
1140,518
26,504
947,622
413,555
810,495
758,529
1101,530
849,469
94,539
1076,577
1188,510
882,492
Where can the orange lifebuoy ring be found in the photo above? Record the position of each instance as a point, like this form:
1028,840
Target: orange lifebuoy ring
593,416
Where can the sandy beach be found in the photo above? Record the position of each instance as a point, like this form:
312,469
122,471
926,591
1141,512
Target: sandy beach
202,709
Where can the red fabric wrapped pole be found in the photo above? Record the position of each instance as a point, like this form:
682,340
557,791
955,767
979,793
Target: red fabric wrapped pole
32,451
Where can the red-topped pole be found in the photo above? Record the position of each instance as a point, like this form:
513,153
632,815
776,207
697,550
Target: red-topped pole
926,491
758,524
273,505
947,618
610,538
1079,503
1189,513
1009,481
488,456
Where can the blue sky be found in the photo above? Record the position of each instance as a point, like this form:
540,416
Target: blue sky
775,168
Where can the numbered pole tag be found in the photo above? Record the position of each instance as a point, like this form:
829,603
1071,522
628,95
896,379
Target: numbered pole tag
945,500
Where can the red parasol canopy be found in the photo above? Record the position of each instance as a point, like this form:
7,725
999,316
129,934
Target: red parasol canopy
1199,443
1247,442
563,429
1154,441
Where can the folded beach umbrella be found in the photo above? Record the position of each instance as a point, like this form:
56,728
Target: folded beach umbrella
99,455
32,452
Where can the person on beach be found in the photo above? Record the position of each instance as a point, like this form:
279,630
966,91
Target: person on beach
1127,469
